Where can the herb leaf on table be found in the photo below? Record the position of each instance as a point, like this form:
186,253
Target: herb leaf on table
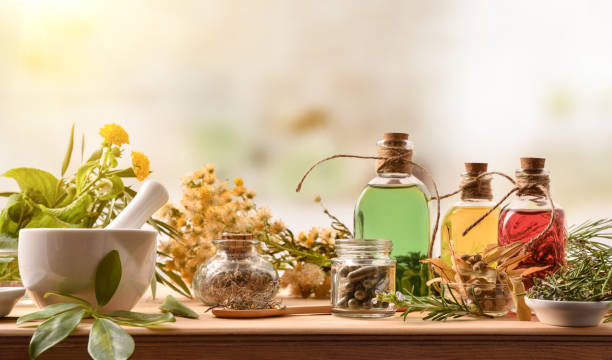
175,307
437,308
107,339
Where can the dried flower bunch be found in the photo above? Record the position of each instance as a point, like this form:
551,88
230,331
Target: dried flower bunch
210,207
477,280
475,285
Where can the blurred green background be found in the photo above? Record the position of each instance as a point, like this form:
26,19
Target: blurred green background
265,88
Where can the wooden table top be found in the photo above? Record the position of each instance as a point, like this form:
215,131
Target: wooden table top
315,329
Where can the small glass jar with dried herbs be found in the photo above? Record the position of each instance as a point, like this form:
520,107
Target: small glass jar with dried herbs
362,269
237,276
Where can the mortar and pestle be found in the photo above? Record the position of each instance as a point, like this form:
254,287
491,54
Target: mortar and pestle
65,260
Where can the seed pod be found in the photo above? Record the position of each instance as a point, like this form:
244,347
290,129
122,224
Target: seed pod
348,287
465,257
368,283
479,266
359,295
361,273
344,271
354,304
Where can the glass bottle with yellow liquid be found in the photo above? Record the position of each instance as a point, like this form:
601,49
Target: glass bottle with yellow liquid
475,201
394,206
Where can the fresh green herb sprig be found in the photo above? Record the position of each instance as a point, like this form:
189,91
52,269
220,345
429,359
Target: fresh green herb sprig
437,308
90,198
285,252
107,339
588,274
412,274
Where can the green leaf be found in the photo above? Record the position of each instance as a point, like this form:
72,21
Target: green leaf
174,306
40,181
95,156
162,280
176,278
82,147
74,211
141,319
115,190
68,155
46,221
54,330
108,341
154,286
46,312
7,193
108,277
125,173
78,300
82,175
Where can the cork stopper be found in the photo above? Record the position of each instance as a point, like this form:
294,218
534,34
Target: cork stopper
393,136
236,236
530,163
476,168
394,146
235,245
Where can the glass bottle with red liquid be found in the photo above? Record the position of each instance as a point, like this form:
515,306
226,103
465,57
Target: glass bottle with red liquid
528,214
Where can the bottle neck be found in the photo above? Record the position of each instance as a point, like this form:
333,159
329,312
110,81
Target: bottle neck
533,182
236,249
396,157
476,189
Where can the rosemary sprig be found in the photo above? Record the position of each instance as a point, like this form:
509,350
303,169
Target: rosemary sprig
438,308
588,274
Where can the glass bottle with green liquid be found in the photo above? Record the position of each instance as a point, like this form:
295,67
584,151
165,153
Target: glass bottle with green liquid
394,206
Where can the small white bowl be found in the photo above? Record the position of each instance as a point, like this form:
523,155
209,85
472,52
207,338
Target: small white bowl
569,313
65,260
8,298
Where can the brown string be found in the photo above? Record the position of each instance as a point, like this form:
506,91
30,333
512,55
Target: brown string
527,184
474,180
387,160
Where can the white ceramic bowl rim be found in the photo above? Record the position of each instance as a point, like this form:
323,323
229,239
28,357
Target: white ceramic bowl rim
11,289
141,231
545,301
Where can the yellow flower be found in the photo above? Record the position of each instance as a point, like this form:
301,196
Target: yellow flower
250,194
277,227
238,181
239,190
140,164
115,134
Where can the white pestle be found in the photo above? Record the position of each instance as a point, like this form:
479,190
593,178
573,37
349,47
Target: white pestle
151,196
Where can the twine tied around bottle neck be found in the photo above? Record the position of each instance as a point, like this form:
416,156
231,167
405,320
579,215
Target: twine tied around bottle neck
537,184
476,187
402,158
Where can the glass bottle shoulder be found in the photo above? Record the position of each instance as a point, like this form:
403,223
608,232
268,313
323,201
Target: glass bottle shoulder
398,181
530,202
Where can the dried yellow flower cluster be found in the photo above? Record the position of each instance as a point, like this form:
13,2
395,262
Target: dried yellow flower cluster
208,208
306,279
